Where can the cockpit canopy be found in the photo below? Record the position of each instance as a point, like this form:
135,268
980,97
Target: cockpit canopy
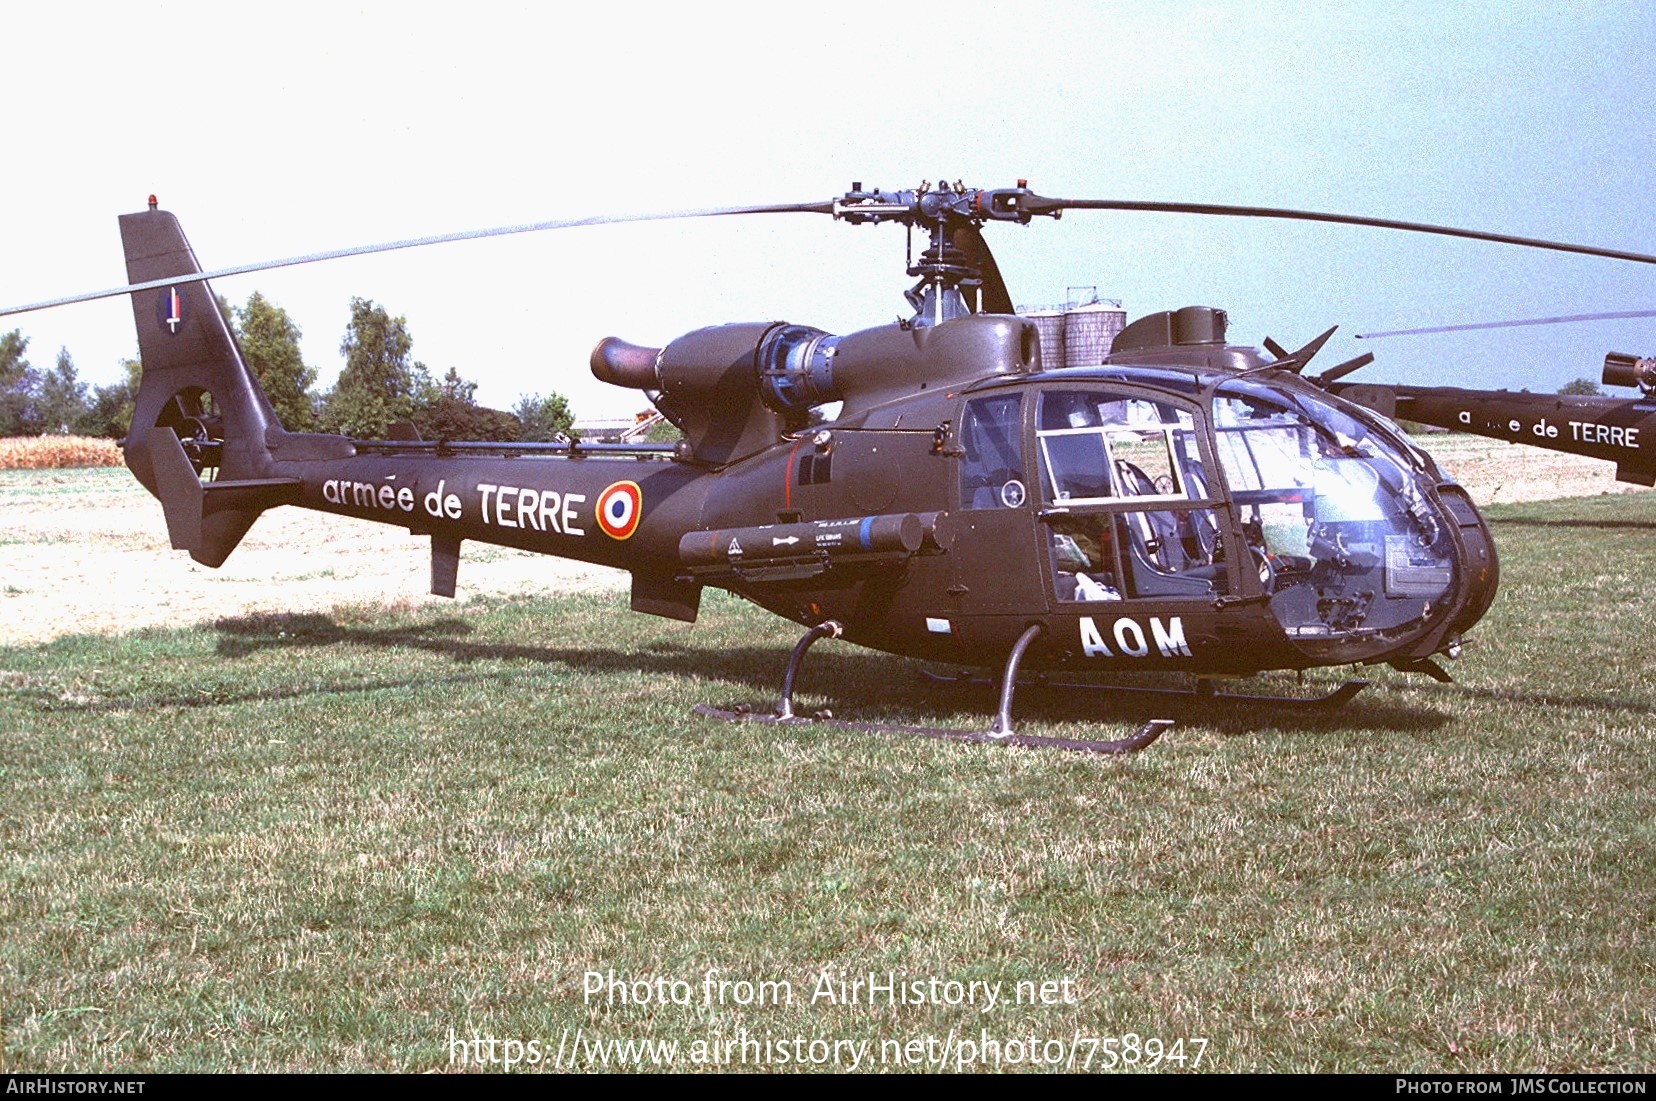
1147,494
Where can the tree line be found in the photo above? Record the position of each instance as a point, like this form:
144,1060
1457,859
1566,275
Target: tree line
380,385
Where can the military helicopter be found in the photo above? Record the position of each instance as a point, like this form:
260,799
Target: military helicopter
1187,505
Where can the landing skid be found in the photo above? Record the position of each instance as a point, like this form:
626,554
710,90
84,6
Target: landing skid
1000,731
1146,734
1204,690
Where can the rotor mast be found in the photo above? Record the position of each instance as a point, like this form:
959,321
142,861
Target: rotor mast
951,269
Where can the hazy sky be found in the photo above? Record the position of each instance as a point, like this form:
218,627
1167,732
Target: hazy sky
295,128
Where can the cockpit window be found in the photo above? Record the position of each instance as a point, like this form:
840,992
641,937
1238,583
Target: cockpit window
1096,445
992,469
1120,475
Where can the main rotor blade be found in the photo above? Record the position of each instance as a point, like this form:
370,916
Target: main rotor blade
1036,204
439,239
1568,318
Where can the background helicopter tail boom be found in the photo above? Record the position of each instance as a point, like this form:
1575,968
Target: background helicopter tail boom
1619,430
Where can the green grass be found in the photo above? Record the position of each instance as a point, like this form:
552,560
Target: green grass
318,842
24,484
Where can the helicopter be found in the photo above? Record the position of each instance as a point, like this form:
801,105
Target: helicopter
1621,430
1187,505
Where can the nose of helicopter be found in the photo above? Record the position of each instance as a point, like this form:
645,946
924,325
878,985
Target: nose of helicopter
1368,551
1376,561
1479,566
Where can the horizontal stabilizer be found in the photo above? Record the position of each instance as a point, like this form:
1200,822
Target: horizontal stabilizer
256,494
208,521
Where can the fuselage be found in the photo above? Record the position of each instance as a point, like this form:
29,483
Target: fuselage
1150,517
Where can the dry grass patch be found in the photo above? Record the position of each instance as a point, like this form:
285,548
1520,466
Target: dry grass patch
53,452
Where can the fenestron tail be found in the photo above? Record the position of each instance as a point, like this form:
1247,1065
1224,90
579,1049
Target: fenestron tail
213,419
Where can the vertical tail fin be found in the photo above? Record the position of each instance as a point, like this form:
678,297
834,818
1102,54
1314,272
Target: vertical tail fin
194,382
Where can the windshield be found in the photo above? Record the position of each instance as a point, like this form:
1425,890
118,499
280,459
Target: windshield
1344,533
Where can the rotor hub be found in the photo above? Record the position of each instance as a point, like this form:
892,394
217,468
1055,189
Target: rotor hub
950,279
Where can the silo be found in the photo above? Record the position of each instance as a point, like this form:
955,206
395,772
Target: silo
1050,324
1088,331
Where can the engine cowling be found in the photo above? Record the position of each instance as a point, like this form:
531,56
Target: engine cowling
736,389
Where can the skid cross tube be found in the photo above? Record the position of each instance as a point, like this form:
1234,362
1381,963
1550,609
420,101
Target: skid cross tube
1002,726
828,628
1001,731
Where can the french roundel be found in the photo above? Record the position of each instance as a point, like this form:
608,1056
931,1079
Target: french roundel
619,508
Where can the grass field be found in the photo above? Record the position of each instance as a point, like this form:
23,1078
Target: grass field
340,841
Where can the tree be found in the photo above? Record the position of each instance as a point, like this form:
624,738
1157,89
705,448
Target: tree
456,388
448,410
270,344
112,405
378,385
19,387
1581,388
543,419
665,431
63,406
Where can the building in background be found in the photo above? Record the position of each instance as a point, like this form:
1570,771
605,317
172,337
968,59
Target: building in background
617,429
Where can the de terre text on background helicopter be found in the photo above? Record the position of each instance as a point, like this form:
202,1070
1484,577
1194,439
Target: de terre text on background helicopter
1617,429
1187,505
